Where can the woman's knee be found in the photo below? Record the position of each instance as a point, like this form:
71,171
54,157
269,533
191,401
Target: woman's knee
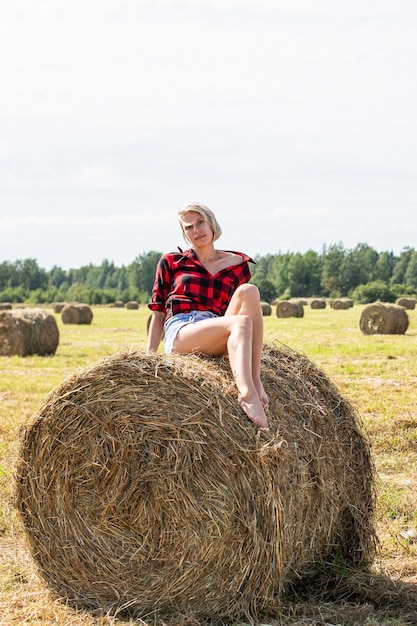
248,291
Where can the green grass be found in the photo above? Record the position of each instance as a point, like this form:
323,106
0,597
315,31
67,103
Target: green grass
378,374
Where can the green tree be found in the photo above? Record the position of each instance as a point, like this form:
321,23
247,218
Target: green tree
332,259
57,277
410,278
297,275
384,266
142,271
373,291
400,267
313,266
357,267
266,287
263,264
279,274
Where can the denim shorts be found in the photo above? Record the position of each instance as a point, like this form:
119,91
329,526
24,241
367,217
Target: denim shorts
173,325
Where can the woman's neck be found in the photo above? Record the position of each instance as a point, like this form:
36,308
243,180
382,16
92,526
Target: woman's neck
206,254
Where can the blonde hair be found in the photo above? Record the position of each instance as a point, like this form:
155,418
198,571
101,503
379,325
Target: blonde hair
205,212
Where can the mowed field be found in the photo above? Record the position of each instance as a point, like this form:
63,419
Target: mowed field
377,373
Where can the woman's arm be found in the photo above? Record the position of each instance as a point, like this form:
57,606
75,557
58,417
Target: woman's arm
156,330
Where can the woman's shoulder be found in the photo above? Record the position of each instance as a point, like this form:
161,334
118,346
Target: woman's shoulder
177,259
230,260
237,257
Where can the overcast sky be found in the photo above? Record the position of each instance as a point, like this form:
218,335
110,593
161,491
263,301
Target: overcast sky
294,120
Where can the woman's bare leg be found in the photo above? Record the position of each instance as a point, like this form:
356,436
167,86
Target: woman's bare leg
239,349
234,334
246,301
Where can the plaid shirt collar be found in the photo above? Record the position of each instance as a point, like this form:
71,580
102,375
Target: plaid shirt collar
190,254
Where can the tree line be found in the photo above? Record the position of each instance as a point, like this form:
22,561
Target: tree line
361,273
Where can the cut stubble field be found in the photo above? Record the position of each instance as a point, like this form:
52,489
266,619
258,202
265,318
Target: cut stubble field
376,373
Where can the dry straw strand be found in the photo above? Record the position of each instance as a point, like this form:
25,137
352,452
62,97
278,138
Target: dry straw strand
141,482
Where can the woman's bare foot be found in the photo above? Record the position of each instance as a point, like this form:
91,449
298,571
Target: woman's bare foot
255,411
263,396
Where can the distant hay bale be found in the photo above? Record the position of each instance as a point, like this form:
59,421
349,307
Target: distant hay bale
58,306
285,308
118,304
86,314
25,332
318,303
77,314
383,318
142,484
299,300
70,314
407,303
341,303
132,304
5,306
266,308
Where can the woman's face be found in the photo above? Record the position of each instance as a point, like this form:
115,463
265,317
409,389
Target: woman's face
196,229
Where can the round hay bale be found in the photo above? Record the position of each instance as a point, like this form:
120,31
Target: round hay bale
76,313
58,306
70,314
341,304
285,308
5,306
142,484
132,305
299,300
118,304
86,314
407,303
318,303
266,308
383,318
28,331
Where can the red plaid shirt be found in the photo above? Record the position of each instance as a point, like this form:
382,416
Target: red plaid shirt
182,284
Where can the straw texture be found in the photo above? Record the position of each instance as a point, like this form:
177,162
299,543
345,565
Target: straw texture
76,313
407,303
341,304
318,303
142,484
383,318
25,332
286,308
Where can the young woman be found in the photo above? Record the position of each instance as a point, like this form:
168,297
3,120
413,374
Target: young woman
202,303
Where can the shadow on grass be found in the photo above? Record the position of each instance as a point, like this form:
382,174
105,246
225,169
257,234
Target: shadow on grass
352,598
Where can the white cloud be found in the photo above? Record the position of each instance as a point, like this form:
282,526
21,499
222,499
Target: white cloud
114,114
